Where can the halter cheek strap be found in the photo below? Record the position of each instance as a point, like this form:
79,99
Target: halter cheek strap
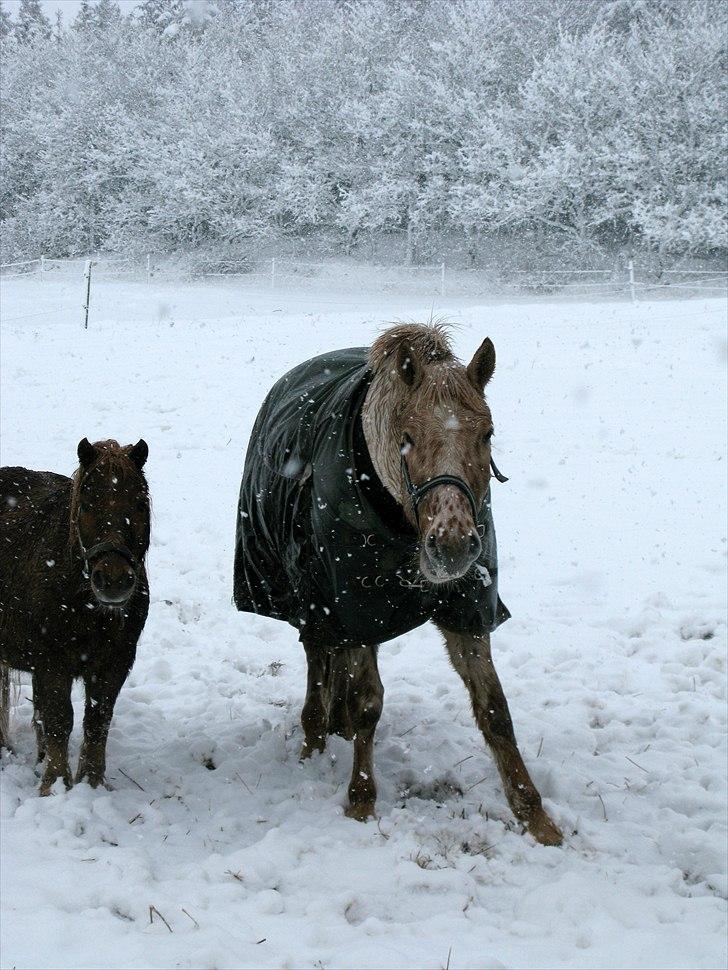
418,492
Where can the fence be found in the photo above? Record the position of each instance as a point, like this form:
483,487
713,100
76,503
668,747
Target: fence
123,268
281,273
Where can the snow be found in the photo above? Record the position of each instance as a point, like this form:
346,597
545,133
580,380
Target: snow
610,423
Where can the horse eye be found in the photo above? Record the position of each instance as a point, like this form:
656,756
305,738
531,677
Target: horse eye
84,507
407,443
487,437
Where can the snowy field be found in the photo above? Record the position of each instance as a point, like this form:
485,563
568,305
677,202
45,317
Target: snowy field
612,531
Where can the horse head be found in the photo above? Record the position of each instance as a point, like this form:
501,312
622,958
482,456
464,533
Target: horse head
110,517
429,429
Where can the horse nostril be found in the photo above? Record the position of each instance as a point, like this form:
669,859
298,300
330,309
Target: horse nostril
431,541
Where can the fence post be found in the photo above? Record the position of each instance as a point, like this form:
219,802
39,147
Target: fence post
149,267
442,280
632,293
273,273
87,277
42,267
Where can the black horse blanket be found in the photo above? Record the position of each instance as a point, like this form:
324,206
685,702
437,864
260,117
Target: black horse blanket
320,542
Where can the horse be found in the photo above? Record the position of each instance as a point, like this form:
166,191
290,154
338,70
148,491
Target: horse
364,512
74,595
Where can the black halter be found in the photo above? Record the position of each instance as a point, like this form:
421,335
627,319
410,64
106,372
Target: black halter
418,492
101,547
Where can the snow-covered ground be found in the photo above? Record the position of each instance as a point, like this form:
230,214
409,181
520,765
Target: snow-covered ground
612,531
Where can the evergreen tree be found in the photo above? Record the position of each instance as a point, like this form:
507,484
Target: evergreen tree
161,15
6,24
106,15
84,18
31,23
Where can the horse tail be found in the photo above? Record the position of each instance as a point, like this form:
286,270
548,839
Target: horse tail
4,704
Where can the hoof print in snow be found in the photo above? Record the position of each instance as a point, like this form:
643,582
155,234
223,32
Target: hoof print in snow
438,790
697,630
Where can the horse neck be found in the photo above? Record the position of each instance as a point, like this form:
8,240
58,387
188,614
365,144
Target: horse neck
380,435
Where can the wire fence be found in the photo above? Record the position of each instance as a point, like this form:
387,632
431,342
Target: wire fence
281,274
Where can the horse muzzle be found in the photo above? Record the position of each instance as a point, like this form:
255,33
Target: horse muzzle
113,573
444,557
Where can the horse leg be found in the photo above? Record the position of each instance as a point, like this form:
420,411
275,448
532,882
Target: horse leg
52,704
101,695
40,742
4,705
365,698
339,715
314,716
471,658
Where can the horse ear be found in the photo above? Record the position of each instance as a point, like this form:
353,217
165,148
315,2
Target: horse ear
86,452
481,367
408,367
139,453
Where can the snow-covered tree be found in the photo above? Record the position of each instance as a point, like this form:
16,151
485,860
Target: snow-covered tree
31,23
592,121
106,15
6,23
84,17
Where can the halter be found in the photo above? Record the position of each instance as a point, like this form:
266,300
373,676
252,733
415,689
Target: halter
100,548
418,492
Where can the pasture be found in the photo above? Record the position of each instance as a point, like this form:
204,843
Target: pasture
216,848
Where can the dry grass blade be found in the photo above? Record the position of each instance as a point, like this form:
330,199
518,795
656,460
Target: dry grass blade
646,771
152,911
189,916
243,783
132,780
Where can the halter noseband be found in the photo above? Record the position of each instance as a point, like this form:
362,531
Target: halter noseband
418,492
100,548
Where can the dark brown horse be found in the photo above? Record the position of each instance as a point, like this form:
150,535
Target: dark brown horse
73,594
364,512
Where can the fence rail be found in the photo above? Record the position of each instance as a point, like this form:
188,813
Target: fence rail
279,272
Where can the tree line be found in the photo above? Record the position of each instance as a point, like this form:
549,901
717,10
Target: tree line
590,123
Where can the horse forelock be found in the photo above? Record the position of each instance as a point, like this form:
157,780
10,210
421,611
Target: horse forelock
429,342
444,381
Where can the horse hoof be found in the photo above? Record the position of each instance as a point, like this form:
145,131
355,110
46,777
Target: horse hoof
307,750
544,830
94,781
360,812
46,787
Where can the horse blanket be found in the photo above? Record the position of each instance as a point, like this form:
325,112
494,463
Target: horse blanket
320,542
